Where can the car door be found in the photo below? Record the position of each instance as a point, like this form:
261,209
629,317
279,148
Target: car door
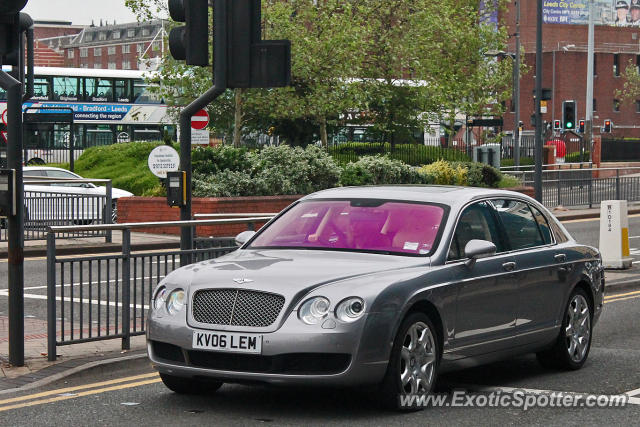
486,302
537,266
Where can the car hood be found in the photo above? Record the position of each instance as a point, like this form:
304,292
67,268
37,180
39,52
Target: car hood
116,193
291,273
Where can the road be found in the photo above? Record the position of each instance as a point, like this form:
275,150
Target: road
146,276
133,394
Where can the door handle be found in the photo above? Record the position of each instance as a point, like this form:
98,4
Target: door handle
509,266
561,258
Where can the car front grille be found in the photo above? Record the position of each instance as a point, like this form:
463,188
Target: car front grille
236,307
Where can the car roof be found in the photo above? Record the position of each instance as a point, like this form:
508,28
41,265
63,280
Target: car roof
447,195
44,168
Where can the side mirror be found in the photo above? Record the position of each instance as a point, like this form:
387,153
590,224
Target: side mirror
477,249
244,237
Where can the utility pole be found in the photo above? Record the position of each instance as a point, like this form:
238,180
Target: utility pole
538,149
516,90
588,129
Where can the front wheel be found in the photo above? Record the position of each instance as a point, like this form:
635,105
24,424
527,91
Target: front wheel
413,365
182,385
572,347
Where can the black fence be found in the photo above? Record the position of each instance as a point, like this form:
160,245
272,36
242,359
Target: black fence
617,150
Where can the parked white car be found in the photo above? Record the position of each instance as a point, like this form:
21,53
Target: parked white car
67,201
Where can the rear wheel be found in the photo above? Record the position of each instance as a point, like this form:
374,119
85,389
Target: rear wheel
182,385
572,347
413,366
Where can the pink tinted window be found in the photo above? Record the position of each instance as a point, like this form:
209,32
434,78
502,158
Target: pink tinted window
364,225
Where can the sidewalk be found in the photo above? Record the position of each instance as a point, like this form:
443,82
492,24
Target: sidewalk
139,241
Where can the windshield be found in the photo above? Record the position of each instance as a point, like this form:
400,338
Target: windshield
356,225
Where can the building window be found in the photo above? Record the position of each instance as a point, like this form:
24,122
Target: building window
616,105
111,50
595,63
84,52
131,32
97,65
102,36
512,106
89,37
97,51
116,34
126,65
70,53
637,105
140,47
111,65
616,65
156,45
126,48
145,32
594,105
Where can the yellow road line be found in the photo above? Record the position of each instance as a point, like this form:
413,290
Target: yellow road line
621,299
621,295
80,387
74,396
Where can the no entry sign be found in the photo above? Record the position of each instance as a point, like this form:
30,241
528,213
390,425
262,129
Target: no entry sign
200,120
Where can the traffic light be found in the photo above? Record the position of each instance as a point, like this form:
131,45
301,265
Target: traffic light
607,126
569,114
190,42
557,125
251,61
10,26
520,125
581,125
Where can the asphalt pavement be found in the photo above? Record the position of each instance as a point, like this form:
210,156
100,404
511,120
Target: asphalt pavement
132,394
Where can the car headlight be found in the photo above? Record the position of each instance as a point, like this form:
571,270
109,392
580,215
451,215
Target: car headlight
350,309
314,310
175,302
160,298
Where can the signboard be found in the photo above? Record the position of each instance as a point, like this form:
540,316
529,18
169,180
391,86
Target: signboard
614,13
163,159
543,107
106,113
200,120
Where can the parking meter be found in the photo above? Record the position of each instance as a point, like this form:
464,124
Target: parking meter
177,188
7,192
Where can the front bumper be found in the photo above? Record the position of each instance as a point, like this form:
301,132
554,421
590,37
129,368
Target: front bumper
294,354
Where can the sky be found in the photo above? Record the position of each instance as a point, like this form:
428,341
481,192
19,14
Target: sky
80,11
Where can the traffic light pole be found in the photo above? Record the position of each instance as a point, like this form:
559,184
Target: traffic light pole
516,90
538,147
15,222
219,86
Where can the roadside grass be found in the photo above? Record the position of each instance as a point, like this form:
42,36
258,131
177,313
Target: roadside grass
124,164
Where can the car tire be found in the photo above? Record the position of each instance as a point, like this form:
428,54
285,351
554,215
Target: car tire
571,349
413,364
184,385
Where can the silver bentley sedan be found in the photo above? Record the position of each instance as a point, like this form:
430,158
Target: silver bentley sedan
386,286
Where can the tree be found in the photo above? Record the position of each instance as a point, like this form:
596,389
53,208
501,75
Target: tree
631,87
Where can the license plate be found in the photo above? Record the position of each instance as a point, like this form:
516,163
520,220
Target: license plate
229,342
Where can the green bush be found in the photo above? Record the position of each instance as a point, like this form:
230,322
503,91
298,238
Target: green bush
211,160
375,170
273,171
524,161
445,173
575,157
124,164
481,174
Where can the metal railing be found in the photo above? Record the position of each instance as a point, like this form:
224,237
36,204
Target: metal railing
47,205
99,297
585,187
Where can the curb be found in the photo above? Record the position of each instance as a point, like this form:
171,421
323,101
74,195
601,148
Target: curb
621,285
588,215
40,251
66,373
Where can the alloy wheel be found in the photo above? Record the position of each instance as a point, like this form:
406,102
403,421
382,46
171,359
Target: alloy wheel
417,359
578,329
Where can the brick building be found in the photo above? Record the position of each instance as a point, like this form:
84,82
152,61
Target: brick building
565,64
130,46
44,54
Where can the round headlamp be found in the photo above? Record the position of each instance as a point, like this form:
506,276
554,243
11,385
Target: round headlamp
350,310
314,310
175,302
160,299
